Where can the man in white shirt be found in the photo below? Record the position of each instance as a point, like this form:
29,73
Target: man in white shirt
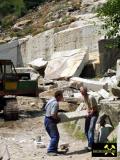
51,120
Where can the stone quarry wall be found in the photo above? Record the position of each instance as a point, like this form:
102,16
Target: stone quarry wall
80,37
24,50
41,45
9,51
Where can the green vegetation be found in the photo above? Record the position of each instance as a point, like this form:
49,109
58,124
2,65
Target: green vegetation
11,7
32,3
8,21
70,127
15,11
17,7
110,14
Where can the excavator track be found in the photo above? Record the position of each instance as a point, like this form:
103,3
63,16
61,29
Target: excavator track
11,110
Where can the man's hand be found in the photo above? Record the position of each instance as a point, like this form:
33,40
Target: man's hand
89,112
56,118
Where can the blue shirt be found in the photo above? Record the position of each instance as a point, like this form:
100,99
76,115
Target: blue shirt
51,107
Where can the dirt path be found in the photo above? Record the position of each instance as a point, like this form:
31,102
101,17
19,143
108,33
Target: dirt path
19,137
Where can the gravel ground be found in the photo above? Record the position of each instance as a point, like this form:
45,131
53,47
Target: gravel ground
19,137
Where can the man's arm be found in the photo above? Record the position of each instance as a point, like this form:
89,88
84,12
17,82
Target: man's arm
54,112
94,107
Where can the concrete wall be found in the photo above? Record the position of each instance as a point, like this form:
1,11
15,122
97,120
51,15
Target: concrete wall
45,44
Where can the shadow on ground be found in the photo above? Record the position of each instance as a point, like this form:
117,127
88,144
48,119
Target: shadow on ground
30,114
83,151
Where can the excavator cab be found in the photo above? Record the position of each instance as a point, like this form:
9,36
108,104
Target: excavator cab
8,78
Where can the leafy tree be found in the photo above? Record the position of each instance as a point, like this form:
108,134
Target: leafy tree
17,7
110,14
32,3
11,7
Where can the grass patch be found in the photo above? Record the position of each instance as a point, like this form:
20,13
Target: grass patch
78,134
8,21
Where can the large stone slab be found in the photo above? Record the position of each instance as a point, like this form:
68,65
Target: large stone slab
90,84
38,63
71,116
24,69
104,93
66,64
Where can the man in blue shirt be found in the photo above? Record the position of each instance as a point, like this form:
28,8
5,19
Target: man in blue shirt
51,120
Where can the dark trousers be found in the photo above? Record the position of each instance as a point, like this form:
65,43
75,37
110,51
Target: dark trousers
52,130
90,123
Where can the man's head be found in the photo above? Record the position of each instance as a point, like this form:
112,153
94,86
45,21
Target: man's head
59,95
83,90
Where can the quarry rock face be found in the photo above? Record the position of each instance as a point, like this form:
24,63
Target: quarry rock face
80,37
43,45
39,46
9,51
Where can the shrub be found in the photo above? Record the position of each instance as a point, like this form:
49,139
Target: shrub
8,21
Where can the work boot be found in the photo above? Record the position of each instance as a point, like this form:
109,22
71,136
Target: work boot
88,149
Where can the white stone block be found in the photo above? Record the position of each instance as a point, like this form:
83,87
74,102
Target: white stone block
90,84
38,63
104,93
24,69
